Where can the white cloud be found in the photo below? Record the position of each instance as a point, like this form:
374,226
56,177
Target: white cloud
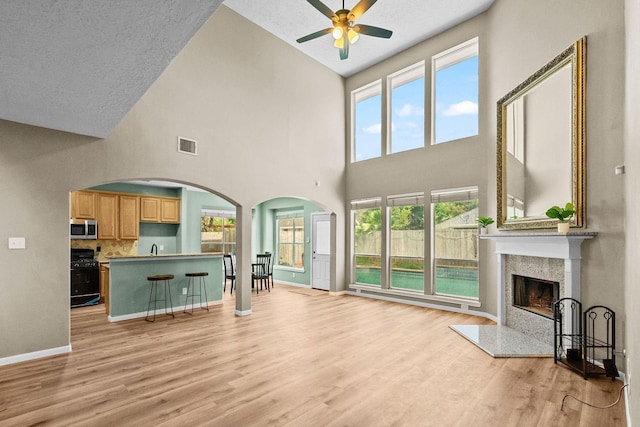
410,110
374,129
461,108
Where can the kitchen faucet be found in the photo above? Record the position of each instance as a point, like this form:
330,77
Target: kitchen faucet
154,246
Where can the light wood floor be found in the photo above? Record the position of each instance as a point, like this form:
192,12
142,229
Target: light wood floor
298,360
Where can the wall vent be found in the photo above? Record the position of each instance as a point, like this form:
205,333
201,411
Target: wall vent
187,146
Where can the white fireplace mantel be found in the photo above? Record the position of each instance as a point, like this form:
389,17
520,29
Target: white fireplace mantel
543,245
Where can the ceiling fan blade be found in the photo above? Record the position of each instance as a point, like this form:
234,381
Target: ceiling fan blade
361,7
344,51
315,35
322,8
369,30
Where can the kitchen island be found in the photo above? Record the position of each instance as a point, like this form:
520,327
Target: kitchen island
129,288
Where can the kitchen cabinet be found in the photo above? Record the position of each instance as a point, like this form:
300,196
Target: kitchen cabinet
117,216
104,285
83,205
107,216
160,209
170,211
128,217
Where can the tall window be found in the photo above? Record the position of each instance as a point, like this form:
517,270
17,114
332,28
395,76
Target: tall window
290,229
366,105
406,91
218,232
407,241
455,93
454,242
367,229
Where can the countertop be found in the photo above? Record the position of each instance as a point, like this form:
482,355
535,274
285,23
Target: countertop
160,257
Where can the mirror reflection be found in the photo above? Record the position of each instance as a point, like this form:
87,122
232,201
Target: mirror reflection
540,144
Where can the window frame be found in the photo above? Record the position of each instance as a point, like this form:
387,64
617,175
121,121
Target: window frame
399,78
219,213
399,200
452,56
362,204
451,195
289,214
362,94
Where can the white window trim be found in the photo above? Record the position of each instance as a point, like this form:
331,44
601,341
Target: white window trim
445,59
448,195
394,80
219,213
285,214
361,94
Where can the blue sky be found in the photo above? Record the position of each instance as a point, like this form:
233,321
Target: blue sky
456,112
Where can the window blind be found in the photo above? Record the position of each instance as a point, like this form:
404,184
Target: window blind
406,200
218,213
454,194
366,203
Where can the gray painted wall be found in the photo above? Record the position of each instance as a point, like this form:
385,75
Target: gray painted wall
517,37
631,319
253,104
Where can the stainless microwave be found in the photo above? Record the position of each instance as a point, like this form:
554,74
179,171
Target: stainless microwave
83,229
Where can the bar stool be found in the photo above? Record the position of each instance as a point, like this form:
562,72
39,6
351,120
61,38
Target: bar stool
167,291
191,292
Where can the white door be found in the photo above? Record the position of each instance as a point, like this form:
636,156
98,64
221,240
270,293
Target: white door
321,246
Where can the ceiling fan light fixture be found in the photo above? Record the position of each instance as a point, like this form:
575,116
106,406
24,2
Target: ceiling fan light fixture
353,36
337,32
344,29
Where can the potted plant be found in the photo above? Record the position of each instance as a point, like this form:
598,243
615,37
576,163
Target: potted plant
563,215
483,222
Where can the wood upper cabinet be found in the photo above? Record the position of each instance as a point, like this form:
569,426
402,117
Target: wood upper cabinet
107,215
170,211
83,205
149,209
128,217
117,216
160,209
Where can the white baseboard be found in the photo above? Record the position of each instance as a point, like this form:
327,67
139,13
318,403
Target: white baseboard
241,313
35,355
160,311
423,304
299,285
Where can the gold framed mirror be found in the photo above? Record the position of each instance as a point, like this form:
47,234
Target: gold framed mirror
541,144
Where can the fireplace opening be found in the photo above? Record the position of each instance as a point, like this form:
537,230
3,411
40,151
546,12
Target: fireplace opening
535,295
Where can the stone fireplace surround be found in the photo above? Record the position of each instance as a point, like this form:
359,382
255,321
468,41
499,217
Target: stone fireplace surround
547,256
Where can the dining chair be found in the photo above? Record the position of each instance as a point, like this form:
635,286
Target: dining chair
270,270
260,271
229,272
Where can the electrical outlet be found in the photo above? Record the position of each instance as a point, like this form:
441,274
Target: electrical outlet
294,275
162,247
184,291
17,243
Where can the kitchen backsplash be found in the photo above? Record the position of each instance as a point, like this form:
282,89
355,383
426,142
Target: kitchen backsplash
108,248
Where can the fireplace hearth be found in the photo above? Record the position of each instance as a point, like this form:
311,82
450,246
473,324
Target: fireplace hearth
535,295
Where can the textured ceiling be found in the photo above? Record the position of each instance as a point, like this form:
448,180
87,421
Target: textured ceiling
81,65
411,21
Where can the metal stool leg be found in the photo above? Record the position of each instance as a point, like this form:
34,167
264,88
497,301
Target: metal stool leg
167,291
189,293
153,285
203,284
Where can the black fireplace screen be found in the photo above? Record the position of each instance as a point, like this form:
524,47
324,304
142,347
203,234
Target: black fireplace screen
535,295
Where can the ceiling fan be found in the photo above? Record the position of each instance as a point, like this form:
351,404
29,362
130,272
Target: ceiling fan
344,30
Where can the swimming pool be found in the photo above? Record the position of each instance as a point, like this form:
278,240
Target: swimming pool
449,280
